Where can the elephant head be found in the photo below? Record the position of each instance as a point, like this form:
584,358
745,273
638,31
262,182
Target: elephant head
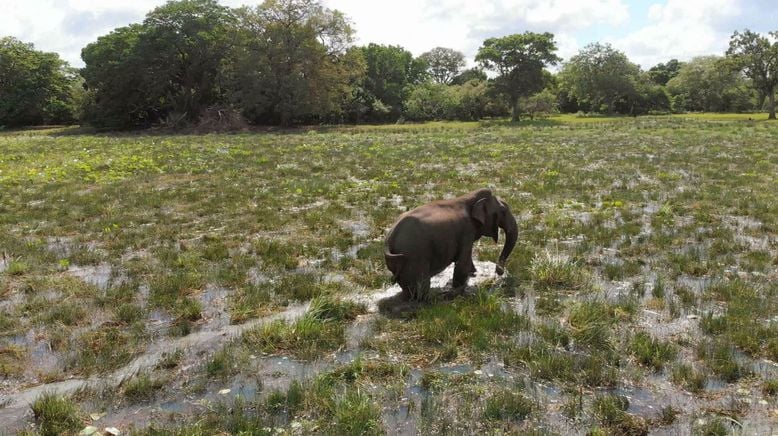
492,214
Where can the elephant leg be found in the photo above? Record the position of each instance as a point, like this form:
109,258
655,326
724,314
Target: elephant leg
461,275
463,269
415,281
423,290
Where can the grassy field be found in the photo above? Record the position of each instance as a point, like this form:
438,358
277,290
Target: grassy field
642,295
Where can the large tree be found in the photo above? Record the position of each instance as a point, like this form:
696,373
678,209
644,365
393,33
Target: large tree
661,73
443,64
35,87
600,76
519,60
709,84
118,85
757,56
468,75
293,62
184,44
391,70
164,69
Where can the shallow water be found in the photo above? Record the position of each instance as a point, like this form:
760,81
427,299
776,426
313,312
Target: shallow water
98,275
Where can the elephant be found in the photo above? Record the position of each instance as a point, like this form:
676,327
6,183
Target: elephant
426,240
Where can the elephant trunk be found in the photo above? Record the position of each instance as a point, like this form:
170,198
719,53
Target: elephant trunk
511,230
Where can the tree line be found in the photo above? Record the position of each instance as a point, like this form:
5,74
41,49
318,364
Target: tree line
284,62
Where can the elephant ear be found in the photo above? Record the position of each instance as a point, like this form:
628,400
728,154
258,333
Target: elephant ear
485,213
479,211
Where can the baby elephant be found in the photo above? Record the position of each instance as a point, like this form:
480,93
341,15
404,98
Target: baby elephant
424,241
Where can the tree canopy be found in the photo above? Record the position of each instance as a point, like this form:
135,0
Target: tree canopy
35,87
200,64
709,83
519,60
443,64
661,73
166,68
292,62
600,75
757,57
390,71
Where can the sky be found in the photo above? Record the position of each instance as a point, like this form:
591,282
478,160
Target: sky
648,31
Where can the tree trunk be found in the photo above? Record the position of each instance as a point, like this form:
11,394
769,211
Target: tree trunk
515,110
771,104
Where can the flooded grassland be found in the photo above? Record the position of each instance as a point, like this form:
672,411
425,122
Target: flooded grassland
235,283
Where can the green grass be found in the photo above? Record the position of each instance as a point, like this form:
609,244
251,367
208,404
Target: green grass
56,415
719,357
355,414
467,327
590,324
102,350
610,411
13,359
711,426
508,405
369,371
546,363
142,387
225,362
319,330
745,322
554,270
69,314
651,352
689,378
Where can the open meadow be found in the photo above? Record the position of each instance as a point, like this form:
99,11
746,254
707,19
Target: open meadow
198,284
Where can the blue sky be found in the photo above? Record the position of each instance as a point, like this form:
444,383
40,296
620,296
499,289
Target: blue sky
648,31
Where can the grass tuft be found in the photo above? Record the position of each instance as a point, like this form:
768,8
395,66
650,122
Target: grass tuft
142,387
610,411
687,377
650,351
56,415
508,405
556,271
355,414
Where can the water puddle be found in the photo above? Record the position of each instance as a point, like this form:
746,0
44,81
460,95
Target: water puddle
359,330
211,339
662,326
47,362
97,275
351,253
214,302
359,229
526,305
743,222
159,321
642,402
698,285
60,246
256,277
17,404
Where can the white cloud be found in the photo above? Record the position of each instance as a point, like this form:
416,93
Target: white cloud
675,28
67,26
419,25
681,29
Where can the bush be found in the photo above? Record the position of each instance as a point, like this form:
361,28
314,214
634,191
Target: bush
432,101
543,103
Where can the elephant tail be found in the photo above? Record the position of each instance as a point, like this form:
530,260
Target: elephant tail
395,263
